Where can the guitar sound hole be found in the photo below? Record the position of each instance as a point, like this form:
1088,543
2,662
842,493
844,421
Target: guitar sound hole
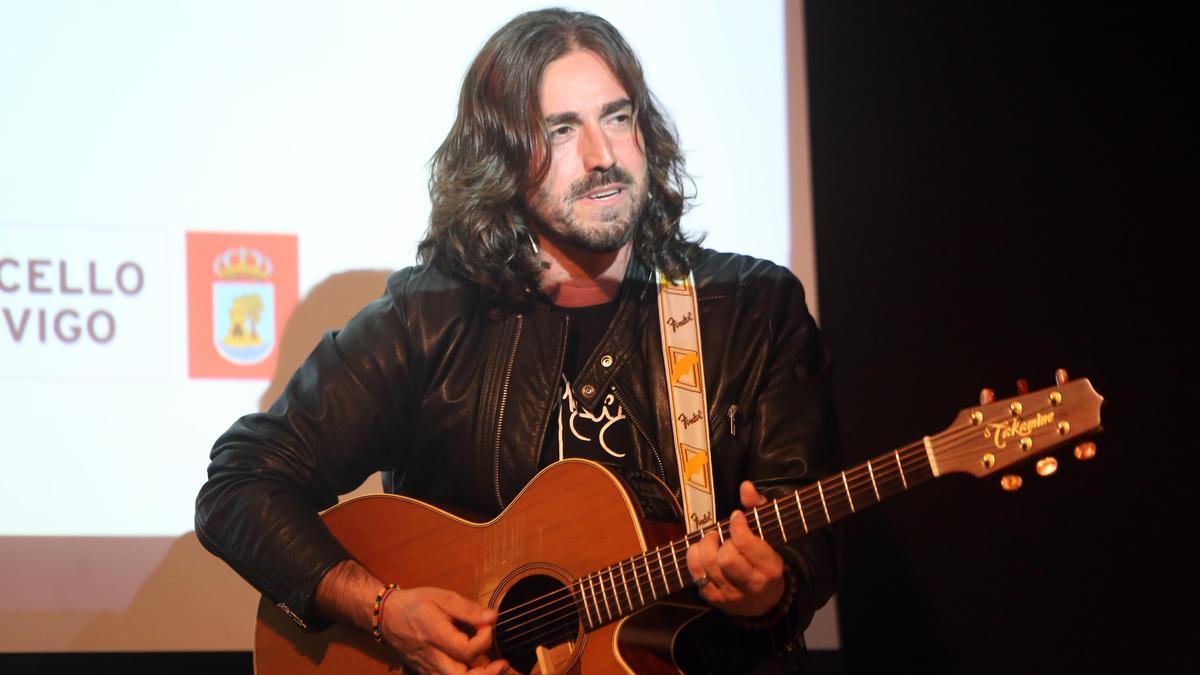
537,611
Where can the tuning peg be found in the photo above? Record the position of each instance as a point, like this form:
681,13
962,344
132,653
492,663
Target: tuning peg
1046,467
1060,376
1010,482
1022,386
986,396
1085,451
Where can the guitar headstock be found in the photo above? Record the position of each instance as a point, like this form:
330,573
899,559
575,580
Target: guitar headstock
988,438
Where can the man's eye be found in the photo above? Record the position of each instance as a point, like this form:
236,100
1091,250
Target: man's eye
560,132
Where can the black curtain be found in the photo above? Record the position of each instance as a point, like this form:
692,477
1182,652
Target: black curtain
1001,189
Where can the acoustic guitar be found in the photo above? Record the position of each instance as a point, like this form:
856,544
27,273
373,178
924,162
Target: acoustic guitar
587,569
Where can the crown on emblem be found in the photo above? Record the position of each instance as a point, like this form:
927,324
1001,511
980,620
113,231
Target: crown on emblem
243,262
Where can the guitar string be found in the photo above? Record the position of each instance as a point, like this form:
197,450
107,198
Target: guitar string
565,620
859,475
571,613
856,479
834,501
564,630
536,634
882,477
765,531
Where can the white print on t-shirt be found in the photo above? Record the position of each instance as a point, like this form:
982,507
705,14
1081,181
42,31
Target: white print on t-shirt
610,413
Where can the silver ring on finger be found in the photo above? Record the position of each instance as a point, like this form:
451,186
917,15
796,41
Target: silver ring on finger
702,581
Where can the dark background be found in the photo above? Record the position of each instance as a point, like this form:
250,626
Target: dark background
1001,189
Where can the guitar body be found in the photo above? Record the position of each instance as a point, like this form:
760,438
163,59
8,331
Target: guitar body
573,518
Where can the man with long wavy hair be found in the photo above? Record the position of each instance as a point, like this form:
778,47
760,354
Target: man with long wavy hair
488,184
529,324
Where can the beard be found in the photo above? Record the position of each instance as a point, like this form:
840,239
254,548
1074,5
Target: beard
608,229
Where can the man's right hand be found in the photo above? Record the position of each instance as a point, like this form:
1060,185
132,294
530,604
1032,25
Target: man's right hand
440,631
434,630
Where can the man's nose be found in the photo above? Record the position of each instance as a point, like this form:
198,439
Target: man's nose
595,149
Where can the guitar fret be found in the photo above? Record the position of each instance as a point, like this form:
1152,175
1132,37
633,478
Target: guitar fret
676,562
902,478
871,473
604,597
612,590
625,583
586,610
662,573
803,520
782,529
821,492
616,593
720,535
650,577
758,522
636,582
592,588
846,484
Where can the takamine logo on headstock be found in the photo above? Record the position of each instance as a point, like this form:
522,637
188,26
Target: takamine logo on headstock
1002,432
998,434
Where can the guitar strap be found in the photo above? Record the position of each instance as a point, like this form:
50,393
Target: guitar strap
679,324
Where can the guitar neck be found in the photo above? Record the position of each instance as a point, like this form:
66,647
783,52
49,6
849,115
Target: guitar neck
982,440
630,585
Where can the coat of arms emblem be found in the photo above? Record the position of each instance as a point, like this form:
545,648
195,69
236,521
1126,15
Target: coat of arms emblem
242,288
243,305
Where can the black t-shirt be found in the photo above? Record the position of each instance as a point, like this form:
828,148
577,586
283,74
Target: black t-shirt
606,436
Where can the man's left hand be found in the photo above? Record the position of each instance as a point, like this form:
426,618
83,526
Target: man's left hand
744,574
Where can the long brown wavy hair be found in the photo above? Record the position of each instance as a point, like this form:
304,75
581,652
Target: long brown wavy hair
481,173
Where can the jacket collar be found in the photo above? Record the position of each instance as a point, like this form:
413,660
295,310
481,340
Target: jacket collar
595,378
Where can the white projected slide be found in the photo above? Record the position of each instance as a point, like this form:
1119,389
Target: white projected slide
162,164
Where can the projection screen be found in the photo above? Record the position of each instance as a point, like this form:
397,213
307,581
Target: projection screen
158,159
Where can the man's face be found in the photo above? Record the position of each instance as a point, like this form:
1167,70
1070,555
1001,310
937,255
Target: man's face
596,186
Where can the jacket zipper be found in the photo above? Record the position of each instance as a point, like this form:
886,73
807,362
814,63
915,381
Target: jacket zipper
512,358
556,394
718,431
662,471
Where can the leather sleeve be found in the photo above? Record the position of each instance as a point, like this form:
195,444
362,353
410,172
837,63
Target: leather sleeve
794,438
343,416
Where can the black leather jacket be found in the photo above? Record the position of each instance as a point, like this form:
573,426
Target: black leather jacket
451,400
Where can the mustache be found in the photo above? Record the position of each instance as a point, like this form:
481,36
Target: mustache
595,179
